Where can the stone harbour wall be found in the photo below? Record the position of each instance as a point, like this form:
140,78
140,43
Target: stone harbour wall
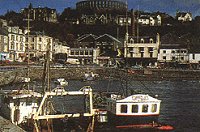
77,73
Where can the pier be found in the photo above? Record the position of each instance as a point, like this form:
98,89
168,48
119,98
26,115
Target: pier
7,126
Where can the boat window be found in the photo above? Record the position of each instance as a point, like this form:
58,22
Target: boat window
145,108
123,108
134,108
16,102
28,102
154,108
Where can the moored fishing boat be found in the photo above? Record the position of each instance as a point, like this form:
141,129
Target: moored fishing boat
19,105
138,111
134,109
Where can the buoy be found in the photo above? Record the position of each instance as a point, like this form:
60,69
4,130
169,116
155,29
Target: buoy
167,127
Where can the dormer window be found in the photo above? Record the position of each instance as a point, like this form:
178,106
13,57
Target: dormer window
151,40
131,41
142,40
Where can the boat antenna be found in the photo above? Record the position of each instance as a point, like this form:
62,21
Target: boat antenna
46,71
137,25
28,51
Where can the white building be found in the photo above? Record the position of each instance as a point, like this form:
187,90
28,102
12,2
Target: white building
150,19
60,48
184,16
173,53
38,44
194,59
4,54
85,55
142,49
16,43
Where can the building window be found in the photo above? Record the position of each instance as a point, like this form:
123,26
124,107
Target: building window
182,58
150,49
32,46
12,37
17,46
131,41
91,52
86,52
21,39
164,57
151,55
81,52
134,108
123,108
12,45
141,49
40,39
142,55
145,108
72,52
173,58
32,39
21,46
151,40
142,40
164,51
154,108
39,47
193,56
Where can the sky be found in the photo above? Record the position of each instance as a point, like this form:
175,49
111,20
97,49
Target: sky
166,6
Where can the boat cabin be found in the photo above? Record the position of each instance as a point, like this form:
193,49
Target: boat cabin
19,105
134,105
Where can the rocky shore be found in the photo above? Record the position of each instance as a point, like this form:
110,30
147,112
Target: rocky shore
77,73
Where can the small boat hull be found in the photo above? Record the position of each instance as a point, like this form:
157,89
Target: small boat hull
119,120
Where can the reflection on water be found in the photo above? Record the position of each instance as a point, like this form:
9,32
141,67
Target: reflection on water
180,99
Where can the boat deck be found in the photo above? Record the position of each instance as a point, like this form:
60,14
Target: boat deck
7,126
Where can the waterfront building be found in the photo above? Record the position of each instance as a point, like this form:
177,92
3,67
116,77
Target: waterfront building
194,59
4,54
60,50
173,51
84,55
86,41
141,50
40,13
173,54
16,44
106,44
37,43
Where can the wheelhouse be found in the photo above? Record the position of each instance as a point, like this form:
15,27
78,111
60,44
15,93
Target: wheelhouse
135,105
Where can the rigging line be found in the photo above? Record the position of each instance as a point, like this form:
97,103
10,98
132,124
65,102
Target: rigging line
145,86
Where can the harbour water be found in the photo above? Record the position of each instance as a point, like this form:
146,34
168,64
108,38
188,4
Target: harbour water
180,99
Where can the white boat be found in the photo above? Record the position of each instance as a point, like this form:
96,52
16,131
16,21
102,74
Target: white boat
90,76
132,110
61,82
19,106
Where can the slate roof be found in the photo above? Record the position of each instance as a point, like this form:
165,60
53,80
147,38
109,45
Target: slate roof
3,31
107,38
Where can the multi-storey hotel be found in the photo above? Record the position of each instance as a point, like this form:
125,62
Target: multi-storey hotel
40,13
